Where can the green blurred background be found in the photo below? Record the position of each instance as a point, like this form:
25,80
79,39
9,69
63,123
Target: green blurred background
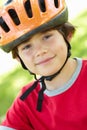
12,81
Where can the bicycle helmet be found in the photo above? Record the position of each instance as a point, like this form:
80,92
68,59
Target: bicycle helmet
20,19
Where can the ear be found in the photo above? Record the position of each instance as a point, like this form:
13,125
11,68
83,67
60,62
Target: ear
69,37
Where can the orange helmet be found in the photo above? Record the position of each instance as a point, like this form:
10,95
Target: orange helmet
20,19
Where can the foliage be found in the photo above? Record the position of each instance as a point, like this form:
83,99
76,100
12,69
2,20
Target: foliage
79,42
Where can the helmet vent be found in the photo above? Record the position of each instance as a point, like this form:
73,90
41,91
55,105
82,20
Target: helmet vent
14,16
56,3
4,25
28,9
42,5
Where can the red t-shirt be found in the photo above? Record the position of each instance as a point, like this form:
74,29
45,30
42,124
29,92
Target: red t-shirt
62,109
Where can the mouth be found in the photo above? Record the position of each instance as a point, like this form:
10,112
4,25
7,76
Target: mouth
45,61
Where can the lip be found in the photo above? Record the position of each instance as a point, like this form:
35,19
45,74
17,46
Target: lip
47,60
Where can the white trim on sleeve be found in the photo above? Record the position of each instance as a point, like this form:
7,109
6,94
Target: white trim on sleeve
6,128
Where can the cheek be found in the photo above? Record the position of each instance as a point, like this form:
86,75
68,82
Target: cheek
60,47
27,60
57,45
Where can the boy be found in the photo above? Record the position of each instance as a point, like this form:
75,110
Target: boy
39,39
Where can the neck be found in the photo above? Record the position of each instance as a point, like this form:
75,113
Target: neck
64,75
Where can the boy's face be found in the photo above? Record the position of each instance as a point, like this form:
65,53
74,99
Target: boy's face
44,53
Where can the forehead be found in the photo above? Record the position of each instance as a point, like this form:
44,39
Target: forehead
37,35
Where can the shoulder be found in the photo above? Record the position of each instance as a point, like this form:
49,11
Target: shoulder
30,89
34,85
27,87
84,61
21,108
21,98
84,65
83,71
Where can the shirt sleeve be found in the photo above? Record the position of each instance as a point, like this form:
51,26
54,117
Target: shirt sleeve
17,117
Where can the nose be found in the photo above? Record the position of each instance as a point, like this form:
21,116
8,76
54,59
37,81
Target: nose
40,50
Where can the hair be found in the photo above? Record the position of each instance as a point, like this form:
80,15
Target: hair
64,29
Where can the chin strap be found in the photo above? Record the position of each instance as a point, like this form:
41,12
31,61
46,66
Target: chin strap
40,94
41,80
49,78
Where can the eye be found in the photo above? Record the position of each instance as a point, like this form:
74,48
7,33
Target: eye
47,37
26,47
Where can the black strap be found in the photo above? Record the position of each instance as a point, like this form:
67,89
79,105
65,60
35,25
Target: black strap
29,90
41,95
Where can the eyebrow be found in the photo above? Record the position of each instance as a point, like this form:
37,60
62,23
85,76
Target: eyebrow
42,32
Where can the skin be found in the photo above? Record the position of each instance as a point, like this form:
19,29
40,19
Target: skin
44,54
